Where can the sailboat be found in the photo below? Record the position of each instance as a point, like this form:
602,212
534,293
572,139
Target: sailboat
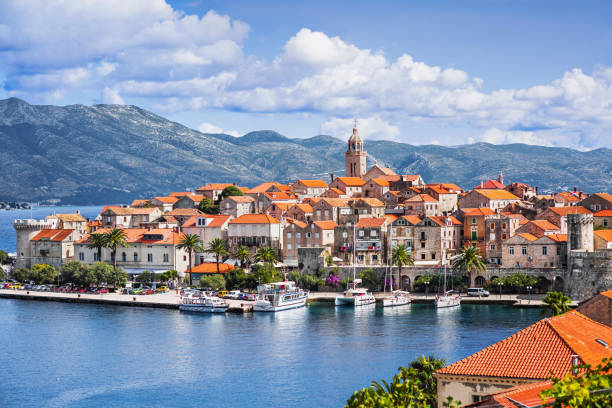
397,297
355,296
447,298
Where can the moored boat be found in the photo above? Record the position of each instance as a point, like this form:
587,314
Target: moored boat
355,297
279,296
205,304
397,298
448,299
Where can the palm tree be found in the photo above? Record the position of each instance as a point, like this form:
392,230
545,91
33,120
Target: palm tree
218,247
97,241
243,255
267,255
190,243
468,261
114,239
400,257
556,302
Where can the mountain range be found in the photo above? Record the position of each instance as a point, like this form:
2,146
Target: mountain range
114,153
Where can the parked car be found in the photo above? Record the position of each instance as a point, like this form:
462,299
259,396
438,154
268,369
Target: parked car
102,290
243,296
233,294
162,289
146,291
222,293
251,297
477,292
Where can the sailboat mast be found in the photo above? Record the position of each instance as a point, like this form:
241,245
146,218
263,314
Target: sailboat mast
354,255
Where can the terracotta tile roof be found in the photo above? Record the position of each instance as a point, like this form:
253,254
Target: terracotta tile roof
441,221
138,203
454,220
280,206
168,219
522,219
184,212
371,222
380,182
385,170
196,198
131,211
605,196
70,217
538,350
497,194
410,177
180,194
214,186
300,224
526,395
563,211
255,219
603,213
166,200
528,236
544,225
351,181
471,212
395,193
264,187
391,217
451,187
422,198
557,237
313,183
240,199
281,195
108,207
336,202
337,191
391,177
210,267
567,196
153,236
412,219
606,235
55,235
218,220
307,208
490,184
372,202
607,293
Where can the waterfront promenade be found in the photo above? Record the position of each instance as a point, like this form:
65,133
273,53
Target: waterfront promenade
170,300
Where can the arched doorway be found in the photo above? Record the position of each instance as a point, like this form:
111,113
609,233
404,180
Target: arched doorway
543,285
558,284
479,281
406,283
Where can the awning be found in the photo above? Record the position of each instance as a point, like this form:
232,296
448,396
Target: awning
136,271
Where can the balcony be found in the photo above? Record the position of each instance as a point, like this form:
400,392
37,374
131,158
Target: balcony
368,245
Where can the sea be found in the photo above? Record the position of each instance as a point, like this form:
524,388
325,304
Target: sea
79,355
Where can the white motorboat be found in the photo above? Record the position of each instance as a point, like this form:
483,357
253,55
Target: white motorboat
205,304
355,297
448,299
279,296
397,298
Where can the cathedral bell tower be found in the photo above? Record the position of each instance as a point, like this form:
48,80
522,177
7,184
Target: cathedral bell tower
355,155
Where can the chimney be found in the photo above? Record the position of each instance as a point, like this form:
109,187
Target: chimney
580,195
575,189
536,189
331,175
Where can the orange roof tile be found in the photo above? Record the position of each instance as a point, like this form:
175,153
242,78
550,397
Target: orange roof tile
603,213
526,395
372,202
371,222
337,191
166,200
217,220
180,194
300,224
380,182
325,225
138,203
478,211
55,235
184,212
264,187
451,187
605,196
240,199
210,267
313,183
563,211
352,181
196,198
307,208
568,196
214,186
280,206
490,184
497,194
412,219
153,236
280,195
391,217
606,235
528,236
336,202
70,217
255,219
557,237
545,225
538,350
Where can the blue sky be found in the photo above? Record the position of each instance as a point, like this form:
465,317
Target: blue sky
419,72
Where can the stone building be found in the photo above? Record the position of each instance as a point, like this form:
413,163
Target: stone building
125,217
330,209
351,186
165,204
494,199
498,228
598,202
255,231
539,228
602,239
355,156
207,227
602,219
422,205
300,212
53,246
474,227
298,234
436,239
189,200
213,190
558,215
529,251
369,241
447,199
308,188
375,188
237,205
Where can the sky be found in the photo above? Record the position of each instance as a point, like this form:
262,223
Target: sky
419,72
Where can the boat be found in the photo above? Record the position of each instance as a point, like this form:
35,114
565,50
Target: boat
204,304
397,298
355,297
279,296
447,298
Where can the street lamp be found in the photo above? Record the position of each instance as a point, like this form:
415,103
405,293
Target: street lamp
500,288
529,291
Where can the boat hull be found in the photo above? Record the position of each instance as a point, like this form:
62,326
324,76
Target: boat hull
195,308
265,306
400,301
447,302
354,300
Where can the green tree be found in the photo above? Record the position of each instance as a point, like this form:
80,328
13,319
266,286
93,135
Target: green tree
557,303
3,257
21,274
582,388
519,281
119,277
74,272
329,260
230,191
208,206
115,238
145,277
369,279
267,255
261,274
243,255
99,273
2,275
43,274
401,256
218,247
212,281
414,386
469,261
236,279
168,275
190,243
97,242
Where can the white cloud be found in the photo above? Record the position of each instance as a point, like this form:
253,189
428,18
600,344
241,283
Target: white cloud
146,50
373,127
206,127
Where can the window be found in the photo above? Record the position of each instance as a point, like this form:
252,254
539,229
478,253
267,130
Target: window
423,256
422,235
473,220
288,246
316,235
504,225
474,235
289,235
492,247
81,256
544,250
511,250
605,222
308,235
433,255
135,256
373,233
492,226
503,236
361,233
492,237
558,250
326,213
166,257
375,257
319,213
423,246
344,234
96,256
123,256
524,250
149,257
298,235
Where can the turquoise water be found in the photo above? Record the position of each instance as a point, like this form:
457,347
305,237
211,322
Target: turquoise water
75,355
8,239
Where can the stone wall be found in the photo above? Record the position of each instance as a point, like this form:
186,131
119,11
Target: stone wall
588,274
